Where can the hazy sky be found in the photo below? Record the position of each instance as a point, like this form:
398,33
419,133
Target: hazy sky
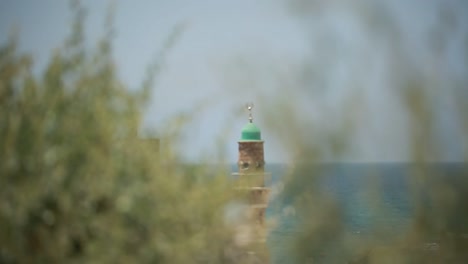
326,58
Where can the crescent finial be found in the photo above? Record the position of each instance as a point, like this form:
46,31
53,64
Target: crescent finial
249,107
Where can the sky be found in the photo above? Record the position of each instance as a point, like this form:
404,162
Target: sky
320,59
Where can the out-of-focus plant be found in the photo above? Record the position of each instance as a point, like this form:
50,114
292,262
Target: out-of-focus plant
438,231
77,184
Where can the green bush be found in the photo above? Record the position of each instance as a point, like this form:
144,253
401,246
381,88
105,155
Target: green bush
77,184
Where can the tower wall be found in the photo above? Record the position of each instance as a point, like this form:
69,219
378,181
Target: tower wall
251,166
251,156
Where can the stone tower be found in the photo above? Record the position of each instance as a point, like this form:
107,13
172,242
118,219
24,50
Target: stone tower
252,178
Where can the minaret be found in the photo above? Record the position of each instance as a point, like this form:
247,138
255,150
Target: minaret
251,171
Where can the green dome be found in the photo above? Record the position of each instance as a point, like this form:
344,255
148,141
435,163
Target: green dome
250,132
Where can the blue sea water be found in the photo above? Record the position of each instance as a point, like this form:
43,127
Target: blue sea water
369,196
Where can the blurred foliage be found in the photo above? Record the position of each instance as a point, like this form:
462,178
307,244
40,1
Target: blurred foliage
77,184
438,225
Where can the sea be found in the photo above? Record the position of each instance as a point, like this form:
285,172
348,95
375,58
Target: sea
368,198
